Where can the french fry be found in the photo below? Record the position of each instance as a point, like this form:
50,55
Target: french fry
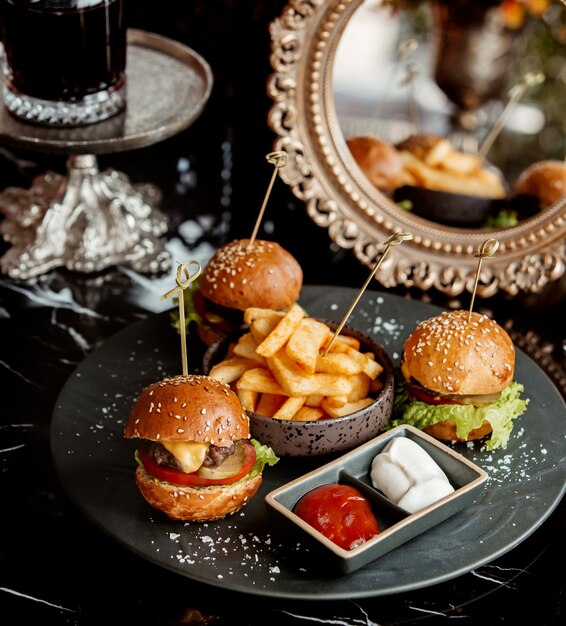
305,342
336,363
248,399
261,327
279,368
289,408
366,361
361,384
341,341
230,369
371,367
269,403
260,380
295,382
246,347
308,414
335,401
314,399
479,183
251,314
349,407
281,333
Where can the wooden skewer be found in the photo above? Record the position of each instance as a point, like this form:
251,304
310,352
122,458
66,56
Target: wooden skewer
279,160
486,250
178,290
394,240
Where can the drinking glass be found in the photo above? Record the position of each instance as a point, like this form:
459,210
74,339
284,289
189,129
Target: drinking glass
64,61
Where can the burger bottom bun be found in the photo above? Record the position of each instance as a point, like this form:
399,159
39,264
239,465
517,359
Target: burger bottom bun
446,431
194,504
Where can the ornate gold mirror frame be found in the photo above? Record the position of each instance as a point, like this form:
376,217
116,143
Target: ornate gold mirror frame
321,172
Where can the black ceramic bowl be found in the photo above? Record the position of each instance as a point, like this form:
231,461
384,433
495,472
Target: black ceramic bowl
324,436
450,209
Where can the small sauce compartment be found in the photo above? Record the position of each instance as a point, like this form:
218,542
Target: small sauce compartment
397,525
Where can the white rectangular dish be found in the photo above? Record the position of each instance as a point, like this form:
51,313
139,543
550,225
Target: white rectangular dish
397,525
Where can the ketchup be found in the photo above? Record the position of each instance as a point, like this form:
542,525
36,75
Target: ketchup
340,512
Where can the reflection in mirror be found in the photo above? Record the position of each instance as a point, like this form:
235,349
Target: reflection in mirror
424,90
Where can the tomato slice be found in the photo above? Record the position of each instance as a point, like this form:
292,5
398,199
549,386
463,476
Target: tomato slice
235,467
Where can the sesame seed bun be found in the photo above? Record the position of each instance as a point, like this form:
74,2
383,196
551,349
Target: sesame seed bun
265,276
545,180
378,160
196,505
188,408
449,355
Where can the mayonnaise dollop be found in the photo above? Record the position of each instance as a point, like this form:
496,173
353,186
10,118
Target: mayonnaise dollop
408,475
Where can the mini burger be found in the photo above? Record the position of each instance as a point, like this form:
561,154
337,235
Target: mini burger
544,180
196,461
379,161
457,380
238,276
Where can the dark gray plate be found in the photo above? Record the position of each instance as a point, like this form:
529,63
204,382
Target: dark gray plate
251,552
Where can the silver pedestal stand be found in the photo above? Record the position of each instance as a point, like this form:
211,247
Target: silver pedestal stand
88,220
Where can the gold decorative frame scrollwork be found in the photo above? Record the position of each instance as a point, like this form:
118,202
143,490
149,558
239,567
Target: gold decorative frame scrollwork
321,172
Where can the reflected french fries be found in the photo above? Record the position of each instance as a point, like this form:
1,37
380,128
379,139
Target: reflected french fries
280,369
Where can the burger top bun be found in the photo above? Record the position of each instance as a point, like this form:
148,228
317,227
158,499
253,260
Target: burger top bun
378,160
188,408
264,276
449,355
545,179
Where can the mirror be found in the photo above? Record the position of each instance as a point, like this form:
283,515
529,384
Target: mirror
338,73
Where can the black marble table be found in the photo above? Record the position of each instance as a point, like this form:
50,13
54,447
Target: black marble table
56,567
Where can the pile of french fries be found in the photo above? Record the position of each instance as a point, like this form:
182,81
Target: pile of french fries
281,367
445,169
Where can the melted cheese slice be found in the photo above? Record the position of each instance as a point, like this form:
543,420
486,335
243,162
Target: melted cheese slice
190,454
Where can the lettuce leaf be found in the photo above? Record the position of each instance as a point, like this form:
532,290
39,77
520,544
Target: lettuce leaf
264,456
191,314
500,414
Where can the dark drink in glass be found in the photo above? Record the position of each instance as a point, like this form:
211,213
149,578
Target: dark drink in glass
64,60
